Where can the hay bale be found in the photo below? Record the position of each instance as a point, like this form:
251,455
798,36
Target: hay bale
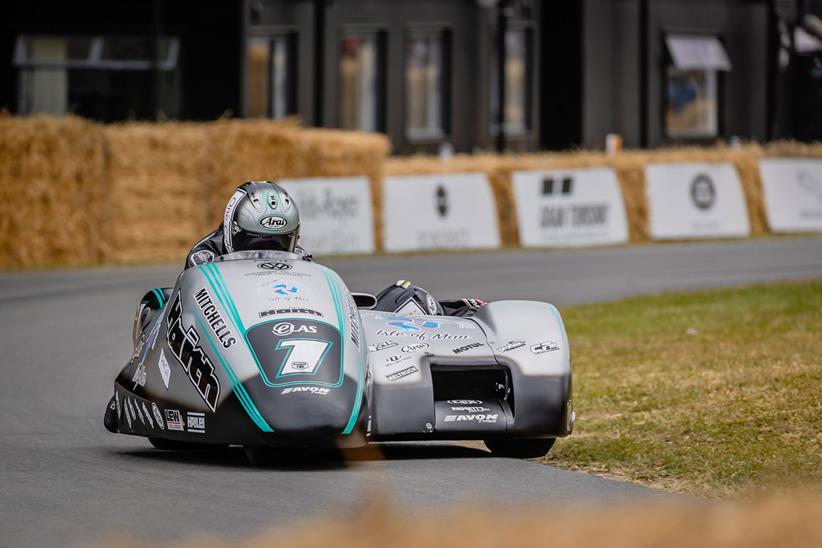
52,198
259,149
159,187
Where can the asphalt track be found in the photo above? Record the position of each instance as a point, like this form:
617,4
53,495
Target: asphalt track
65,334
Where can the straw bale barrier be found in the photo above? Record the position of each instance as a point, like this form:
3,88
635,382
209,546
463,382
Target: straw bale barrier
630,170
52,193
158,184
75,192
258,149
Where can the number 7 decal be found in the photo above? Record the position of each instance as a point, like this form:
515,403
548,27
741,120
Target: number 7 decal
303,356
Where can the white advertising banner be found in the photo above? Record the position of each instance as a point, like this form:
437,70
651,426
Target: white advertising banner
793,194
454,211
336,216
695,201
576,207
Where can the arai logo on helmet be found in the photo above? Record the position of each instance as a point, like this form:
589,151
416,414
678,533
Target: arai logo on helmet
273,221
284,329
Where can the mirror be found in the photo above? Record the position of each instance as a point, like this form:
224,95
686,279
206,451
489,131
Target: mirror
366,301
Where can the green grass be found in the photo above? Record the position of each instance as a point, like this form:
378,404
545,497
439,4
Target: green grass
714,393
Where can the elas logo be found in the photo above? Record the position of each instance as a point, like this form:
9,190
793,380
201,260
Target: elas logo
283,329
273,222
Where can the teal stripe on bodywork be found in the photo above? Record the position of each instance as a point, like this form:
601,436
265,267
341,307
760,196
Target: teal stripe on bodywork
558,318
159,295
232,308
236,385
338,295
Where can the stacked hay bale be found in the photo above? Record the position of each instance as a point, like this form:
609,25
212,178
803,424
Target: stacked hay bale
159,187
256,149
52,195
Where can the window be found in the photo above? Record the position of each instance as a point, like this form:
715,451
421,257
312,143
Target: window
692,88
270,76
361,81
517,83
100,77
425,85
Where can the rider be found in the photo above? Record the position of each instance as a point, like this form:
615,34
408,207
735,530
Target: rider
262,216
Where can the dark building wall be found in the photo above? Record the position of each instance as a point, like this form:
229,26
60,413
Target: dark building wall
209,32
470,30
742,27
613,68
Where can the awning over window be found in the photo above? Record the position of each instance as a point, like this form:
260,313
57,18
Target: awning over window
697,52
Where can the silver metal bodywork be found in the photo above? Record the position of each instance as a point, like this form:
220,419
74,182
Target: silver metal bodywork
264,348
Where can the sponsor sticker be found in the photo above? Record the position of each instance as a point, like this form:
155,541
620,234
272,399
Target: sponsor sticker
165,369
273,222
283,329
214,319
148,416
490,418
174,420
466,348
139,377
402,373
127,414
511,345
391,360
414,347
139,413
195,422
422,335
202,257
353,321
543,347
464,402
277,311
432,304
184,344
469,408
382,345
157,416
317,391
274,266
411,308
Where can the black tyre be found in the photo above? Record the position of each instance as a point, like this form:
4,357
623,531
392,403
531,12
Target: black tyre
172,445
520,448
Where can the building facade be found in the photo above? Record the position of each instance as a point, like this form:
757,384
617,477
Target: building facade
427,72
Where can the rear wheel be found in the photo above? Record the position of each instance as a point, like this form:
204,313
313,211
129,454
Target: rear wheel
173,445
520,448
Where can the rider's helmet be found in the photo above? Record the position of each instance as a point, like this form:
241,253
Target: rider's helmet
408,299
259,216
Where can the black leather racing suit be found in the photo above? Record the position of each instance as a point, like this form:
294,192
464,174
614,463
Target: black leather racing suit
213,246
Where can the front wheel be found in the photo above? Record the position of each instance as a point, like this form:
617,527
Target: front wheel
520,448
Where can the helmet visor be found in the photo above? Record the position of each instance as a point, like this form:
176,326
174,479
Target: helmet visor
252,241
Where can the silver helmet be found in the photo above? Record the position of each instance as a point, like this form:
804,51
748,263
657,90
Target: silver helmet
261,215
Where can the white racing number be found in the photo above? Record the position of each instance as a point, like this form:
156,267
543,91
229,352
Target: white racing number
304,356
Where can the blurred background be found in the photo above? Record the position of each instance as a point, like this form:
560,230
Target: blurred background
427,72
